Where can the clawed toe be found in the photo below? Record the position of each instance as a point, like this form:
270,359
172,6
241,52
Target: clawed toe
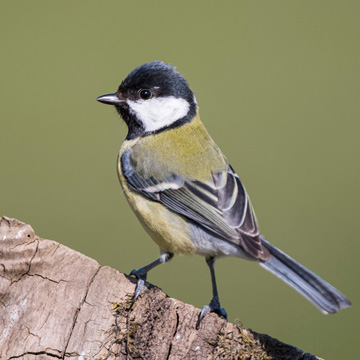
140,284
214,306
139,288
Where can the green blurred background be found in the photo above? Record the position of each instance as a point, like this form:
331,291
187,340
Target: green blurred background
278,87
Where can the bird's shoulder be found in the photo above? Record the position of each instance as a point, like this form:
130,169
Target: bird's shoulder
187,151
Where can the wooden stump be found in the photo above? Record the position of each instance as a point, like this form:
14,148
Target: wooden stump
58,303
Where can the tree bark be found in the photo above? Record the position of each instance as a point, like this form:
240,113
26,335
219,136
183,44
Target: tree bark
58,303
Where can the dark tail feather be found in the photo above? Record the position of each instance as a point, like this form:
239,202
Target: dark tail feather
328,299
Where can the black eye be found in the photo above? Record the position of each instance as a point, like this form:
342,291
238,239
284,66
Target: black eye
145,94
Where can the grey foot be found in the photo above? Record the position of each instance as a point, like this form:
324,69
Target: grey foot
214,306
140,284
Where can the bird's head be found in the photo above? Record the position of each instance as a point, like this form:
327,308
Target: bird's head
152,98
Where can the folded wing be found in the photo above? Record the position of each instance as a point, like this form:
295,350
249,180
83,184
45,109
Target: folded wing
220,204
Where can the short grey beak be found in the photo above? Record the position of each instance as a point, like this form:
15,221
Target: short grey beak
110,99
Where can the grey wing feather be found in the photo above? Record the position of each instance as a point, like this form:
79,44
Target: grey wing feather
234,203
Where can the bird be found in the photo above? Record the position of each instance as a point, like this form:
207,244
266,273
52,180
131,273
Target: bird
185,193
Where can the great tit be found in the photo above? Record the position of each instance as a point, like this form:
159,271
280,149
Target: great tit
185,193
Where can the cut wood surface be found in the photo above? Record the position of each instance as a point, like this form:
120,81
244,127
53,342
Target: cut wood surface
58,303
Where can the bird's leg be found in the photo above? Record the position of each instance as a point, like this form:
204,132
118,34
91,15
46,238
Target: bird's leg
141,274
214,305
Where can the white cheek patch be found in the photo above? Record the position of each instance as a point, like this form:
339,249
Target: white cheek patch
157,113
